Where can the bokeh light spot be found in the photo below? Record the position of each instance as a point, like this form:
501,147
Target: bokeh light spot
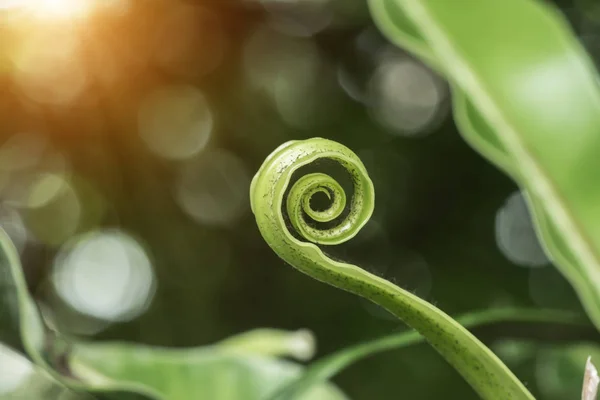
406,96
14,370
48,68
54,209
20,182
107,275
47,187
516,236
294,76
214,188
301,18
12,223
513,352
175,122
22,151
356,68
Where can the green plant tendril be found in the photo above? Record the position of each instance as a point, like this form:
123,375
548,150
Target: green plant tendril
490,378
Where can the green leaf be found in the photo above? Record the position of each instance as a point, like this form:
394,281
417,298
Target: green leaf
273,343
21,325
204,373
333,364
526,97
9,308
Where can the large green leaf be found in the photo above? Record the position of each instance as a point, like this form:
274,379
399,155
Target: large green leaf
205,373
526,96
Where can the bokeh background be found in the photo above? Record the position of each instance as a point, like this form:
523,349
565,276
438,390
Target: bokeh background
130,131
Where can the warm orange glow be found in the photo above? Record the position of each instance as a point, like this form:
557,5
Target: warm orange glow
52,10
59,9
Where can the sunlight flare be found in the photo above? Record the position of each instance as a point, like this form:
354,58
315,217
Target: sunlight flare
53,10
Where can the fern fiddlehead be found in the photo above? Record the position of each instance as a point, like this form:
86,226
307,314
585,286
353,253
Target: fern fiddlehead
277,199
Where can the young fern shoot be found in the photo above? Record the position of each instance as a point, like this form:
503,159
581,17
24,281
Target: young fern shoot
275,199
